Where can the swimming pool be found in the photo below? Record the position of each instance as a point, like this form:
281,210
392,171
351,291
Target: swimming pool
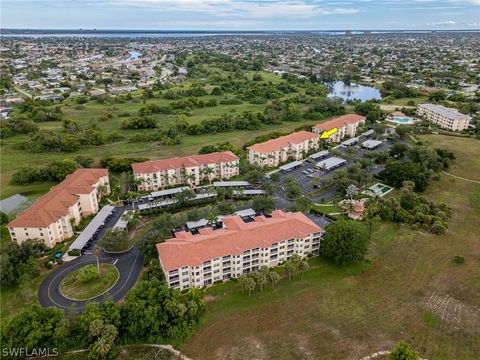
402,120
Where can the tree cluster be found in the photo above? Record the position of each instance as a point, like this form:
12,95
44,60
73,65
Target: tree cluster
18,261
416,210
120,164
55,171
416,165
151,313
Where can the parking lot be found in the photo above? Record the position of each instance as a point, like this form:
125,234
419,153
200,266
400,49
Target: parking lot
307,172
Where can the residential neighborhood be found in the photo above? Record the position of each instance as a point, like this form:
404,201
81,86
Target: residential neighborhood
244,193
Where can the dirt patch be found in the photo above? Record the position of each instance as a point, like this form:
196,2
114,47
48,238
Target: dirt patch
454,315
208,298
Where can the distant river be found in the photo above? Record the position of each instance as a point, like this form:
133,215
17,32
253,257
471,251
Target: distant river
353,91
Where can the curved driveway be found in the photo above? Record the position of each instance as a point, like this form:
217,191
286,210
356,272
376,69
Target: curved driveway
129,265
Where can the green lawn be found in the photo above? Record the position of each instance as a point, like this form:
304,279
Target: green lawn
12,159
13,299
410,291
403,101
327,209
74,288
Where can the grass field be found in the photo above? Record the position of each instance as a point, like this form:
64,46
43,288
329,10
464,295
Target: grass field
73,288
412,291
12,159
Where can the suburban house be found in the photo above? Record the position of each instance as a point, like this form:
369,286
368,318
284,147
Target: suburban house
236,248
53,216
273,152
190,170
447,118
347,125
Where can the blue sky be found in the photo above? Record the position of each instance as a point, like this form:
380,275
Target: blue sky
241,14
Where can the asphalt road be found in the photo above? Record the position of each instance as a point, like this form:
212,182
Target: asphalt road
128,264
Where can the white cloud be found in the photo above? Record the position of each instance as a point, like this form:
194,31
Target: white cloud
443,23
252,9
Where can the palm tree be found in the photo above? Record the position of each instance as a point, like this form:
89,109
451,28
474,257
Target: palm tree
242,281
303,266
250,284
171,177
101,190
208,171
273,278
262,277
372,210
97,254
212,218
289,269
190,178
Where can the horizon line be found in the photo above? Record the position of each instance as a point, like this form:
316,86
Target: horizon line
228,30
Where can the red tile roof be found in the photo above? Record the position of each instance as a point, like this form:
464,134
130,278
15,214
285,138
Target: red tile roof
54,204
180,162
237,236
340,121
283,141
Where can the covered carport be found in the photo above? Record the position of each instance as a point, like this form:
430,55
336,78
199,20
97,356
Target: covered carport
319,155
97,222
350,142
371,144
290,166
331,163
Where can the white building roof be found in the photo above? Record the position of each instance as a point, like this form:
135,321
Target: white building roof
370,144
169,191
246,212
351,141
291,165
197,224
249,192
447,112
93,226
331,162
319,154
121,224
205,196
230,183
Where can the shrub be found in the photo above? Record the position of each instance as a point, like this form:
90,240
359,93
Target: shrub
87,273
74,252
458,259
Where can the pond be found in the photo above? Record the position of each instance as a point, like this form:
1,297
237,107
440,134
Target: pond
134,55
353,91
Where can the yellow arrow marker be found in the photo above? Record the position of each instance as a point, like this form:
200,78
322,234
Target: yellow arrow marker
327,134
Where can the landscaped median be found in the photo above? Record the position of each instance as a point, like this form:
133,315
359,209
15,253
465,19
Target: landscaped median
87,283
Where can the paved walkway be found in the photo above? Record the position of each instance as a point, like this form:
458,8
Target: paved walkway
461,178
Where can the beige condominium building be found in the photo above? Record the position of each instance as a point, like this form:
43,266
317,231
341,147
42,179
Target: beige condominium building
444,117
237,248
347,125
190,170
273,152
52,216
